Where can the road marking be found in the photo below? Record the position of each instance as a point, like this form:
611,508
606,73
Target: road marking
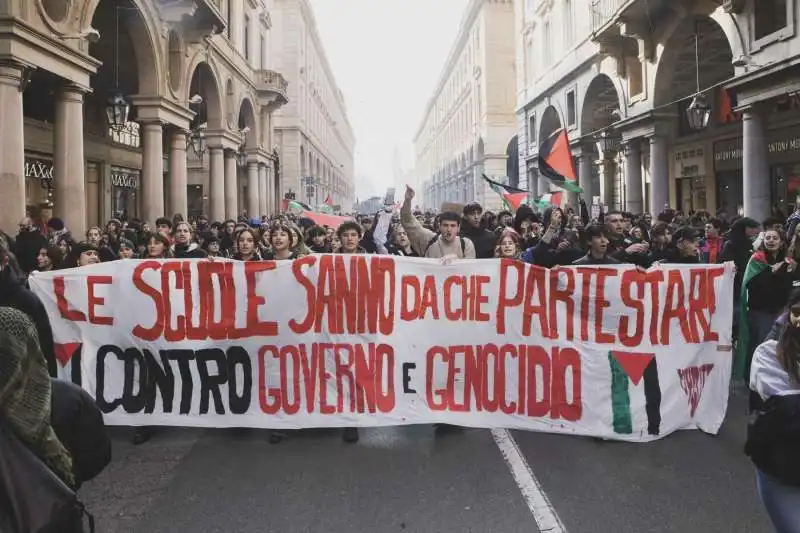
543,512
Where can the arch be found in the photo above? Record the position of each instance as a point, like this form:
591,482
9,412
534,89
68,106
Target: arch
512,161
247,119
601,105
140,19
675,77
550,123
203,81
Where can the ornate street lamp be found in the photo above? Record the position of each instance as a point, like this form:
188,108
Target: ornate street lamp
117,111
197,140
698,113
241,158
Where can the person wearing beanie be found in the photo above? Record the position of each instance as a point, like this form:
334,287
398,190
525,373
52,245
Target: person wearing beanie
127,250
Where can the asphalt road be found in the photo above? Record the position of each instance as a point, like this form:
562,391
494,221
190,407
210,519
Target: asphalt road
421,480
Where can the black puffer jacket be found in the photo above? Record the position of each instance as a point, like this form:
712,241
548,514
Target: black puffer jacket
79,426
484,240
14,294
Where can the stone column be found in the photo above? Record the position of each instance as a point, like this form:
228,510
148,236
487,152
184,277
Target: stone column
178,174
216,182
585,162
69,165
153,171
634,201
659,175
12,149
606,192
756,176
263,201
231,177
253,191
273,202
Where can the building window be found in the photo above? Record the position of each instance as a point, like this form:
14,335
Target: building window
771,16
127,134
246,46
572,115
532,129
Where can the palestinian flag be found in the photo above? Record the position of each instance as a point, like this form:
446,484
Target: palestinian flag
634,368
556,162
329,201
757,264
512,196
549,200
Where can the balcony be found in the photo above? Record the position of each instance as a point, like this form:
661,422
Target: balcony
272,88
198,17
604,12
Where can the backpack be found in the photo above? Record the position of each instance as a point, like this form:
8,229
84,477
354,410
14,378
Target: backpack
36,499
436,237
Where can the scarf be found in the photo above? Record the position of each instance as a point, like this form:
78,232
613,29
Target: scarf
25,392
758,263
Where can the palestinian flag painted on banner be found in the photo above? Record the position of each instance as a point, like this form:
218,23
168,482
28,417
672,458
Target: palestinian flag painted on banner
550,199
635,368
512,196
556,162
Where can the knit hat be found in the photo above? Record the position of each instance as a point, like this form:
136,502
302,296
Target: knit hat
125,243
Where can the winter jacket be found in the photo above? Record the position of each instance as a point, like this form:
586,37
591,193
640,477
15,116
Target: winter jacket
190,251
483,239
14,294
78,424
589,260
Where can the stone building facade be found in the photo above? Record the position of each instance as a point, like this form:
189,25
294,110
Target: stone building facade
138,108
469,123
622,76
312,132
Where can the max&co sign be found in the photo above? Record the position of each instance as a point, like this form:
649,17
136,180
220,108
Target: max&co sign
38,169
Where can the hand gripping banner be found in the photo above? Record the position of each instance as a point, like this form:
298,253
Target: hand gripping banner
356,340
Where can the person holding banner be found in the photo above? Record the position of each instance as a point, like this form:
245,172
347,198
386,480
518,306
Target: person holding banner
596,236
184,245
508,245
245,240
282,244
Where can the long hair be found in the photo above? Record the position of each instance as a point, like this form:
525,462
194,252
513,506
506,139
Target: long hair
788,349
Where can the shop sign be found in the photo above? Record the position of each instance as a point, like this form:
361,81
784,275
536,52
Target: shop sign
689,162
125,179
783,146
38,169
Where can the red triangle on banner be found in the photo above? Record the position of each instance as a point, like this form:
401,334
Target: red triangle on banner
693,381
65,352
633,363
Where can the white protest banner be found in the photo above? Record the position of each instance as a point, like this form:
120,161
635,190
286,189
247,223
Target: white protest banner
358,340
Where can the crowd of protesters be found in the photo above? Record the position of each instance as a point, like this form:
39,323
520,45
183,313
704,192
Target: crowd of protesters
767,281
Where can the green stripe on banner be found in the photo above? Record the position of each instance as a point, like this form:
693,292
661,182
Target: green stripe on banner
620,399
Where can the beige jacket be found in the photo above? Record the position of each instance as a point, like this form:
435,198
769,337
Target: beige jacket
421,236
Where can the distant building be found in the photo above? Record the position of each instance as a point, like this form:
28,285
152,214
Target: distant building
370,206
312,132
469,122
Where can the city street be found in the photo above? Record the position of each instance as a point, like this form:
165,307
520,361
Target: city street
418,479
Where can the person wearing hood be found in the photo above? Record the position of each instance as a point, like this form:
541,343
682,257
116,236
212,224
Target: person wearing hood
14,294
182,246
471,229
28,243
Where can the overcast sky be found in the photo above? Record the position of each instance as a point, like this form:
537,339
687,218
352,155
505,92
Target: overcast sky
387,56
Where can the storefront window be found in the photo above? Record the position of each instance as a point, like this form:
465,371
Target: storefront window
730,195
194,197
124,193
38,182
691,194
785,187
